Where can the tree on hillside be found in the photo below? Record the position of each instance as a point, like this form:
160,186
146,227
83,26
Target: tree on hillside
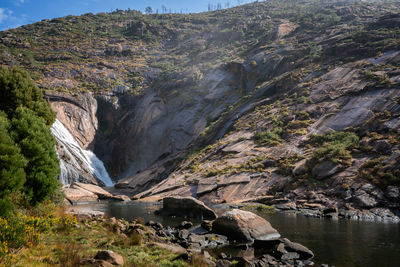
149,10
12,163
37,145
18,90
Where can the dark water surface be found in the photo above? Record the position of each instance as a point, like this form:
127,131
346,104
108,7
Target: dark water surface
335,242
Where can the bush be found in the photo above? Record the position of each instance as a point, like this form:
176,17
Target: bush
380,172
334,146
22,230
269,138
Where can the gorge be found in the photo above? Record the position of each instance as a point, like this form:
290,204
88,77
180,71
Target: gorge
290,104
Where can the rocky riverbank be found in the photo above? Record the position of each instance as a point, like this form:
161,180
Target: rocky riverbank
306,203
254,240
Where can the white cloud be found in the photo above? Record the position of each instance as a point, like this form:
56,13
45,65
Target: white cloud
9,20
5,14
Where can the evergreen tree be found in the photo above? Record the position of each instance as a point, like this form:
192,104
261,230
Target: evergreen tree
18,90
12,163
37,145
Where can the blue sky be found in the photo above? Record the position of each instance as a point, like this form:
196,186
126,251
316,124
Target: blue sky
14,13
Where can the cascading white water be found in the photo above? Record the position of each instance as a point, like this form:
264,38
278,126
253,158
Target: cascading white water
78,158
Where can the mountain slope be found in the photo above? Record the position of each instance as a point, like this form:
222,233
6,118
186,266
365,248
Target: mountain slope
225,105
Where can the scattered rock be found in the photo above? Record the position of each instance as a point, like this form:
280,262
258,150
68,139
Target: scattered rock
110,256
244,226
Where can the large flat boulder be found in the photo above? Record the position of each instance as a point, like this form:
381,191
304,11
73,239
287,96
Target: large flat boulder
75,195
187,207
97,190
244,226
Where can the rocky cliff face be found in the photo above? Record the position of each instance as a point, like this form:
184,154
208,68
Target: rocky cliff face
78,114
296,103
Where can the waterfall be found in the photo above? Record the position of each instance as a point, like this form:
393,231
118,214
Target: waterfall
76,159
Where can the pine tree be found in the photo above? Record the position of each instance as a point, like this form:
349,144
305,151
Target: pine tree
18,90
12,163
37,145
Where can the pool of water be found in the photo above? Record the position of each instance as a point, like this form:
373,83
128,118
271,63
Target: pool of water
335,242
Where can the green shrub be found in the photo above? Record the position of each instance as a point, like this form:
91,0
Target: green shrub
379,173
334,146
269,138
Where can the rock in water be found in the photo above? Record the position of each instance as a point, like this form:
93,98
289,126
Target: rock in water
244,226
305,253
187,207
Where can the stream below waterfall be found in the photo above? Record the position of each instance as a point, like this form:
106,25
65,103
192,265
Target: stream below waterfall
335,242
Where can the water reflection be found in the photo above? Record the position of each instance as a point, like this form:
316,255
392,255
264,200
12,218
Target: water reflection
336,242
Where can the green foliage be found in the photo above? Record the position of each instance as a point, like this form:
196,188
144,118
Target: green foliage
22,230
37,145
12,163
18,90
269,138
381,172
334,146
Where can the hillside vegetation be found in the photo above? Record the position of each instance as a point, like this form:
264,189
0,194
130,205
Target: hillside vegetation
294,100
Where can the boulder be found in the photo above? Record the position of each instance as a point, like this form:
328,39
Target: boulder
244,226
97,190
305,253
364,200
187,207
75,195
325,169
110,256
300,168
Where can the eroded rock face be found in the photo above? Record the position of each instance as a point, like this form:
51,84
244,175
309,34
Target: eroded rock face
244,226
187,207
78,114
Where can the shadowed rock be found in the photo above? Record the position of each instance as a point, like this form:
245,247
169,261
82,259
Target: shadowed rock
187,207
